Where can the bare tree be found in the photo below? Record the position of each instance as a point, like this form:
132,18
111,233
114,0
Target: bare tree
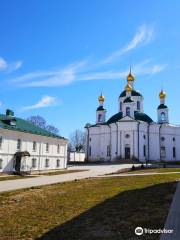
77,140
41,122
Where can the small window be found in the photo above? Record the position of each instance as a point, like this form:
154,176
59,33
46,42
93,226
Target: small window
128,111
100,118
144,150
18,144
162,139
108,151
163,116
47,147
138,105
163,152
174,152
58,148
90,139
1,163
89,150
1,139
174,139
34,163
120,106
144,136
58,163
47,163
127,136
34,146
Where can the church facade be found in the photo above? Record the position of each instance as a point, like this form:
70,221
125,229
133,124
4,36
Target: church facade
130,133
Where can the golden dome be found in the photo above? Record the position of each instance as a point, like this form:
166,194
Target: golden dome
130,77
162,94
101,98
128,88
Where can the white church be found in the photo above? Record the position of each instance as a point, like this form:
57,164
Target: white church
132,134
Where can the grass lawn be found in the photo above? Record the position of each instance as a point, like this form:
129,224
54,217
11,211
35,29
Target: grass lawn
62,172
91,209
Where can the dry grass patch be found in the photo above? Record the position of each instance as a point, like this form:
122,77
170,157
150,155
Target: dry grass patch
107,208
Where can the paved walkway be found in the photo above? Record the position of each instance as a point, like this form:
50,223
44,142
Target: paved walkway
93,171
173,219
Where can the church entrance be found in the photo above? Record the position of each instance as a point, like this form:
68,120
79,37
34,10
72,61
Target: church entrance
127,152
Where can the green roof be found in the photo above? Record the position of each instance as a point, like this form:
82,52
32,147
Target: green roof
128,100
133,93
138,116
161,106
21,125
100,108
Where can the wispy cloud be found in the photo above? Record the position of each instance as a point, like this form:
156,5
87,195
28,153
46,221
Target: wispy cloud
45,101
143,36
9,67
61,77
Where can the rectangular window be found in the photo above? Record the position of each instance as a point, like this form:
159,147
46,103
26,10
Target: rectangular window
144,150
58,148
19,144
47,163
163,152
108,151
1,142
58,163
34,146
174,152
1,163
34,163
47,147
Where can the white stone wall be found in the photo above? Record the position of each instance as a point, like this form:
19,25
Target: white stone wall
9,148
76,157
115,135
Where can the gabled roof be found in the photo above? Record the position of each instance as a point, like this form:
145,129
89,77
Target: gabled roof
22,125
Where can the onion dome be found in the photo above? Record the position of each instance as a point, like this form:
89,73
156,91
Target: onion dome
162,94
130,77
101,98
128,88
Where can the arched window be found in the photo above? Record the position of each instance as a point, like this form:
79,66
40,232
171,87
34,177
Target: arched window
47,163
34,163
34,146
1,163
144,150
58,163
108,151
128,111
120,106
174,152
138,105
163,116
100,118
18,144
163,152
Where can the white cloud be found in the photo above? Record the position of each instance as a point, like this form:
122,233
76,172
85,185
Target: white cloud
45,101
51,78
143,36
9,67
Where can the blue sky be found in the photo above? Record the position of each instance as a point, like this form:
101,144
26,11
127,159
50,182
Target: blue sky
57,56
